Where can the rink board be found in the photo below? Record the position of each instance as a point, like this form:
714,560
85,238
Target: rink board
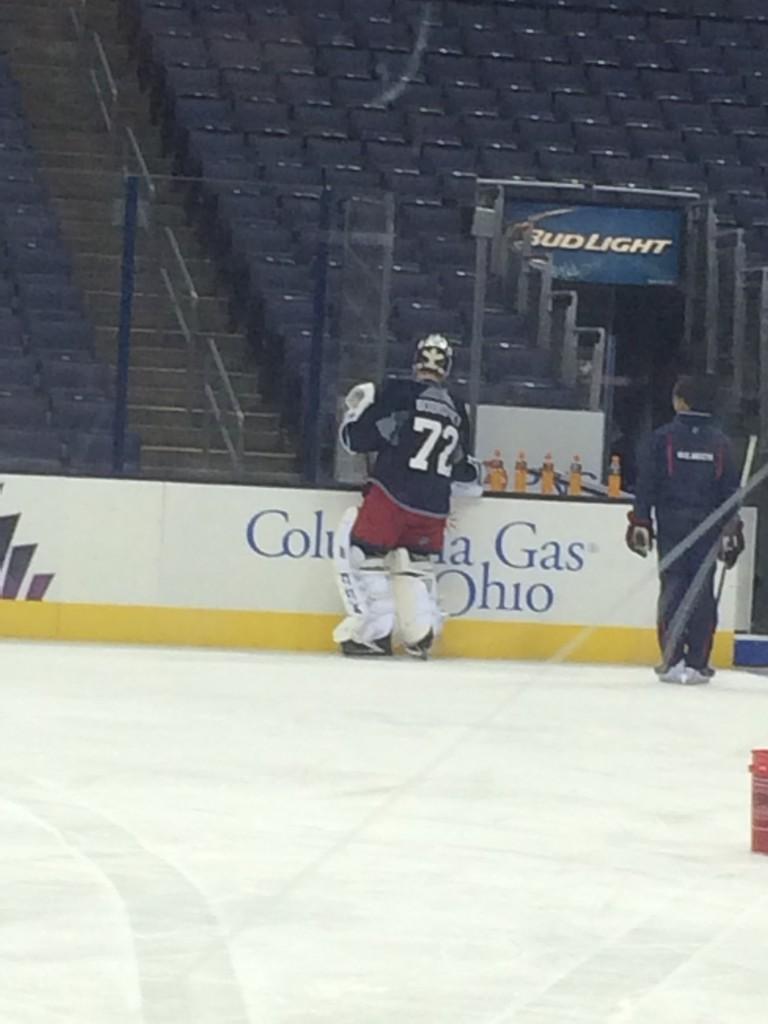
225,566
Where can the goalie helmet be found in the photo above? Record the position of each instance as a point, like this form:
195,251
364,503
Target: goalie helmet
433,356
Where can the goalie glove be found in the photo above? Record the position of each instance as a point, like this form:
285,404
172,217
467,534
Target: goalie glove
639,536
467,479
731,543
358,400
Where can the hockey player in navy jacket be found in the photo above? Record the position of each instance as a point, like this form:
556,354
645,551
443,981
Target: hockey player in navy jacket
686,471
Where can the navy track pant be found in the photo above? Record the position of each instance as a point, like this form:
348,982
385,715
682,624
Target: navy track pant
698,619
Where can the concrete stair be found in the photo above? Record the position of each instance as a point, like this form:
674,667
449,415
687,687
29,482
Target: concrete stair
83,168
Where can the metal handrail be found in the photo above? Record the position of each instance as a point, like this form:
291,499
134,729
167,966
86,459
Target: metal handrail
182,264
236,449
107,100
133,142
100,100
186,331
74,17
106,66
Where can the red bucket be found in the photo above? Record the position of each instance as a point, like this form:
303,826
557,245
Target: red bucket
759,771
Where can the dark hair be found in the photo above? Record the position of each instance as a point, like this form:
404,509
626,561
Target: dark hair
697,392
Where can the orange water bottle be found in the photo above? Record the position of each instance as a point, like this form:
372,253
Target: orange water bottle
521,473
614,477
548,475
575,476
497,478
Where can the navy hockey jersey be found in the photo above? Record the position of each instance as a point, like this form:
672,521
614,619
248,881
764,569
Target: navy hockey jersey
419,432
685,472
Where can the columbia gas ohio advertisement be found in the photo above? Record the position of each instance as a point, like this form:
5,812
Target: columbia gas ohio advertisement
247,567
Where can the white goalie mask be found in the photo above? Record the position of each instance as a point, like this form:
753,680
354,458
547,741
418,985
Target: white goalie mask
433,356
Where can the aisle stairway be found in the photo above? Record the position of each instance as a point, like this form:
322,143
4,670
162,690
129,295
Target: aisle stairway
50,48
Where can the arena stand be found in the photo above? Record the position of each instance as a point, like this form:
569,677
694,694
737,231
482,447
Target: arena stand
55,408
279,119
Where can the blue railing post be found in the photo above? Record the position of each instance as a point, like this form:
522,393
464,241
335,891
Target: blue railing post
130,218
313,411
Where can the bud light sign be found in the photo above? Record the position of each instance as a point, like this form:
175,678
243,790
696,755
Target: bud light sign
600,244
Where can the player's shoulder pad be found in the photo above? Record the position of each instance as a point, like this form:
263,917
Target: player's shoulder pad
398,390
458,402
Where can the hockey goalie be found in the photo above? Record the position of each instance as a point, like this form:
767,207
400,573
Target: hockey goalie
417,431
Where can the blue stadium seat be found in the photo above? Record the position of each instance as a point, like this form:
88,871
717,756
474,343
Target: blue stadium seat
510,75
320,120
91,453
728,177
30,451
629,111
233,53
434,126
412,319
334,151
23,409
619,170
734,32
527,105
568,78
581,109
679,175
58,331
267,147
250,82
338,62
214,23
303,88
521,18
409,182
466,98
646,142
608,81
444,157
39,293
754,150
292,173
711,146
741,120
66,374
698,58
506,162
709,88
643,54
74,412
351,178
557,166
591,138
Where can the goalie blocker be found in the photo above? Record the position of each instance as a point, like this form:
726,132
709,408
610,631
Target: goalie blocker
419,433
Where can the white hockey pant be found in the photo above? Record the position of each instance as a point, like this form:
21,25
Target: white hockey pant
415,589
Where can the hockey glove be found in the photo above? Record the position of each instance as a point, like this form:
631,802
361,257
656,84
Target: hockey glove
639,536
731,543
466,477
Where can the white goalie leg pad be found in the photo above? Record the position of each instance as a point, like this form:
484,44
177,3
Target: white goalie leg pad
365,587
415,589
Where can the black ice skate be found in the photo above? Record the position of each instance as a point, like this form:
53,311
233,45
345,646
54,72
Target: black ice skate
421,649
373,649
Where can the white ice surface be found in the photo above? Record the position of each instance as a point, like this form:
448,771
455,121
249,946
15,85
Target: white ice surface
229,838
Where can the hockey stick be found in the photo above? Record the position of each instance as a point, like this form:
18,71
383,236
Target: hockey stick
746,469
685,608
